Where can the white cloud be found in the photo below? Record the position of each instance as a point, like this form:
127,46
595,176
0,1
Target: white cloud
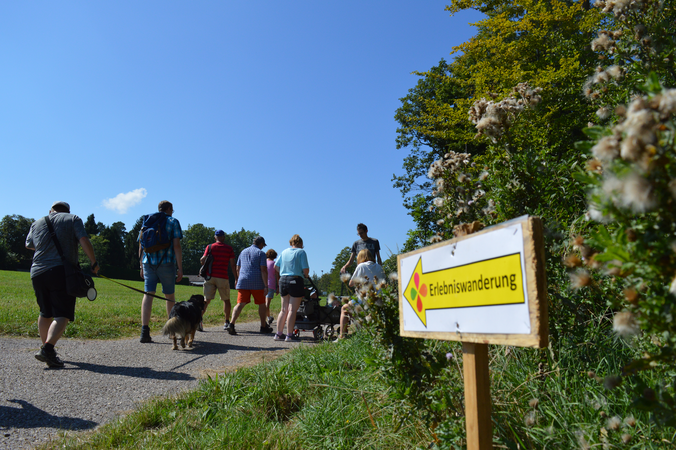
122,202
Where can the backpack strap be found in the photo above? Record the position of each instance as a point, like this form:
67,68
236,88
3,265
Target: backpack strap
52,233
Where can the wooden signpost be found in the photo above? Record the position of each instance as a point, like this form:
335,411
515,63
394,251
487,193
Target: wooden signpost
485,288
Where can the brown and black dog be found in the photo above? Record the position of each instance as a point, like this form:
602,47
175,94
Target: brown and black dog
184,320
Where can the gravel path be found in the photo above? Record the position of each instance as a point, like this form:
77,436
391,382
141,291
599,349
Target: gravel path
103,380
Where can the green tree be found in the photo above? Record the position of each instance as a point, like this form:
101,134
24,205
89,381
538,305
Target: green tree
90,226
332,281
131,254
239,240
13,232
195,239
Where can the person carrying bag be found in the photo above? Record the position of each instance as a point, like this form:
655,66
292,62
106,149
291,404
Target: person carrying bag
78,283
55,275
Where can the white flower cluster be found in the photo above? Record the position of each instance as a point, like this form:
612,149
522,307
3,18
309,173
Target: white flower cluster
455,188
634,140
606,41
620,8
597,81
493,119
452,162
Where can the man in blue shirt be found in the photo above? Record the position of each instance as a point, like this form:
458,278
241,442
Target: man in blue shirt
251,280
164,266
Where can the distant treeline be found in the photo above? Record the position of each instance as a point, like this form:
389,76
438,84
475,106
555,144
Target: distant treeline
116,248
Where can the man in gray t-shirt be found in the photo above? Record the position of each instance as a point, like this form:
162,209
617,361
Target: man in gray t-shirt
364,242
48,276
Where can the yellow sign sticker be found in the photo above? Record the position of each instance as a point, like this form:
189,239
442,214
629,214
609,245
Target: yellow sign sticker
497,281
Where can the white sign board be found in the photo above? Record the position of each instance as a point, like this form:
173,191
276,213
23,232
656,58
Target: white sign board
487,287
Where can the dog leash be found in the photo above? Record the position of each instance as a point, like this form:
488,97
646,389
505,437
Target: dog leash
134,289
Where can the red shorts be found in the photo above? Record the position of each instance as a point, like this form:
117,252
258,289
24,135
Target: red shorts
244,296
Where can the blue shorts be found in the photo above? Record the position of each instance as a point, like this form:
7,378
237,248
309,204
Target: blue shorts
164,273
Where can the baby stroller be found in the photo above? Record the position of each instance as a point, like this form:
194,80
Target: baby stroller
312,316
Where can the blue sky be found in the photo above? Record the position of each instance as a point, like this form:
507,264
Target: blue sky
270,116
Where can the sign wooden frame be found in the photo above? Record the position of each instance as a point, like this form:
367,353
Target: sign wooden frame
535,286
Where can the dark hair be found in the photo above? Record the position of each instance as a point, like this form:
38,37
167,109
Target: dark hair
165,206
361,226
271,254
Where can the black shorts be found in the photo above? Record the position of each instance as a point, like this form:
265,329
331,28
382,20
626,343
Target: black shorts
292,286
50,292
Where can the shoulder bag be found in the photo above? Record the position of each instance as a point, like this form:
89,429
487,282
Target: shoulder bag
205,270
78,283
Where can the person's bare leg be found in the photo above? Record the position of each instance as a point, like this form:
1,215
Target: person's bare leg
146,309
227,309
170,303
56,329
237,311
43,327
281,318
344,319
263,315
294,304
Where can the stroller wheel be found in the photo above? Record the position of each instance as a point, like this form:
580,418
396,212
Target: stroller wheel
318,332
328,333
296,332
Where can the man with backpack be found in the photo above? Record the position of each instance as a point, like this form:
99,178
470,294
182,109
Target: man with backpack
162,260
218,279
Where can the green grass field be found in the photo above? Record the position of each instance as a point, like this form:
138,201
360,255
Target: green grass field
116,313
315,397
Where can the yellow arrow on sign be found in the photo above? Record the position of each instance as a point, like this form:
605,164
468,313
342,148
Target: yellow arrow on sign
497,281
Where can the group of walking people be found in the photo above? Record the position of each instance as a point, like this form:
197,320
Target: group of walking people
258,275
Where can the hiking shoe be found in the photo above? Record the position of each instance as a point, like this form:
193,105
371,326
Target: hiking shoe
227,325
279,337
201,327
270,320
145,335
266,330
49,357
231,329
291,338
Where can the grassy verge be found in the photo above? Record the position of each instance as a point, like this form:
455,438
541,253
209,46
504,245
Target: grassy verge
321,396
116,313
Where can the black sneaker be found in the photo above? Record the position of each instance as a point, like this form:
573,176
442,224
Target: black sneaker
49,357
266,330
231,329
227,325
145,335
292,338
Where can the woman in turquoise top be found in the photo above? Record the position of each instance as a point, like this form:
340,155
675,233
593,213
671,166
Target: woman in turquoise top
292,267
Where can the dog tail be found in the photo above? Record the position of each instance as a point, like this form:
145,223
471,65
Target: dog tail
173,326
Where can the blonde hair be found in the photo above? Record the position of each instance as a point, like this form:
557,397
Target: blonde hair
365,255
296,241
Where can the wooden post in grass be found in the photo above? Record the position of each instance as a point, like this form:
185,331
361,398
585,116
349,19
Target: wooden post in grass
488,287
477,396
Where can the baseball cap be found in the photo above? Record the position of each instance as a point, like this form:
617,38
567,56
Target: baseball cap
219,233
259,240
61,204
